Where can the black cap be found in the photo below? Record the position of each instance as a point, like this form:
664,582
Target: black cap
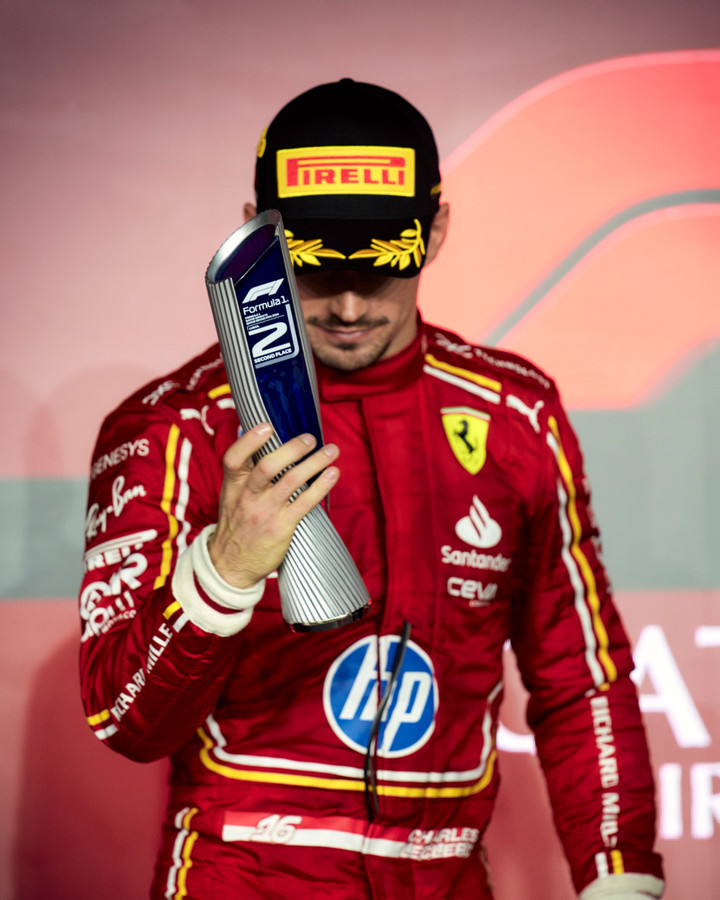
353,170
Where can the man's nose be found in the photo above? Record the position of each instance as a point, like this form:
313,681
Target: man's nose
348,306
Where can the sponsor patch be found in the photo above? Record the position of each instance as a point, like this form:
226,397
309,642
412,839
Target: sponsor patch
473,559
351,696
309,171
115,551
97,517
104,603
467,430
478,528
154,396
478,593
120,454
531,412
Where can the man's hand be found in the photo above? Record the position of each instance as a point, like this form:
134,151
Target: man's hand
256,520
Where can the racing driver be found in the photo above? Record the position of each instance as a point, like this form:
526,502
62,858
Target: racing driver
360,762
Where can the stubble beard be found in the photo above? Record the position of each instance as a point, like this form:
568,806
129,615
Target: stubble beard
348,357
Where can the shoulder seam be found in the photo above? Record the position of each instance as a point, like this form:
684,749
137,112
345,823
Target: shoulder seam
470,381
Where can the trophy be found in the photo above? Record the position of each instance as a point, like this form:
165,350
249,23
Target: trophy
267,355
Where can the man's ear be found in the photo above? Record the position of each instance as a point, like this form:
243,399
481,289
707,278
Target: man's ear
249,211
438,230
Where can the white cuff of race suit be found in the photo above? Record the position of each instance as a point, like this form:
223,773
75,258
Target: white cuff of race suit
628,886
207,599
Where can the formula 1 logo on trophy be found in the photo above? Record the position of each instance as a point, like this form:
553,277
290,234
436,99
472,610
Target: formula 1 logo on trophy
267,355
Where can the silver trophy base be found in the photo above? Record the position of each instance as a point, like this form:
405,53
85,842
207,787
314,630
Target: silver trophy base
305,627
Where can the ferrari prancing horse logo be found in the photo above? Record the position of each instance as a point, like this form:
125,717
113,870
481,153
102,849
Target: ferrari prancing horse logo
467,431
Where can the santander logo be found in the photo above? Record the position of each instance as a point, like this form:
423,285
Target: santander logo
478,528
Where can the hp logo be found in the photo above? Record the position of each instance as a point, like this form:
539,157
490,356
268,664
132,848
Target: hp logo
354,685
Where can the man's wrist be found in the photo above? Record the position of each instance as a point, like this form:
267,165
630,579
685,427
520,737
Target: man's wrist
208,600
233,576
628,886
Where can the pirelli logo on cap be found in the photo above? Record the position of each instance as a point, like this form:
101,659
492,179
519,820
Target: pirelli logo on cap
308,171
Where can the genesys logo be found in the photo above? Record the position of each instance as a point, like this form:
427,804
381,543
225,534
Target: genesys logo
120,454
478,528
357,680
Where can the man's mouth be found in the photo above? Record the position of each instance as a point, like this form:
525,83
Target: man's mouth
346,332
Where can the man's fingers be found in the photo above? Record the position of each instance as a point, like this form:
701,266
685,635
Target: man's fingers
274,464
289,466
313,495
237,460
256,521
294,478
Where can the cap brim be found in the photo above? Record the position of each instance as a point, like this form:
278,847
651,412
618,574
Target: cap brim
395,247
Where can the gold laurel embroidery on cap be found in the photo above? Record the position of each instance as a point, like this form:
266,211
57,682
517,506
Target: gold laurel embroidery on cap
262,144
398,253
308,251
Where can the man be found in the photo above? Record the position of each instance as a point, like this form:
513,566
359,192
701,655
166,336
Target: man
463,503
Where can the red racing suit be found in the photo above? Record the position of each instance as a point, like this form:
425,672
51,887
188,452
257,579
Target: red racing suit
463,502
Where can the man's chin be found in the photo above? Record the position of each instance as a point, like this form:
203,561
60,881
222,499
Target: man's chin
348,358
